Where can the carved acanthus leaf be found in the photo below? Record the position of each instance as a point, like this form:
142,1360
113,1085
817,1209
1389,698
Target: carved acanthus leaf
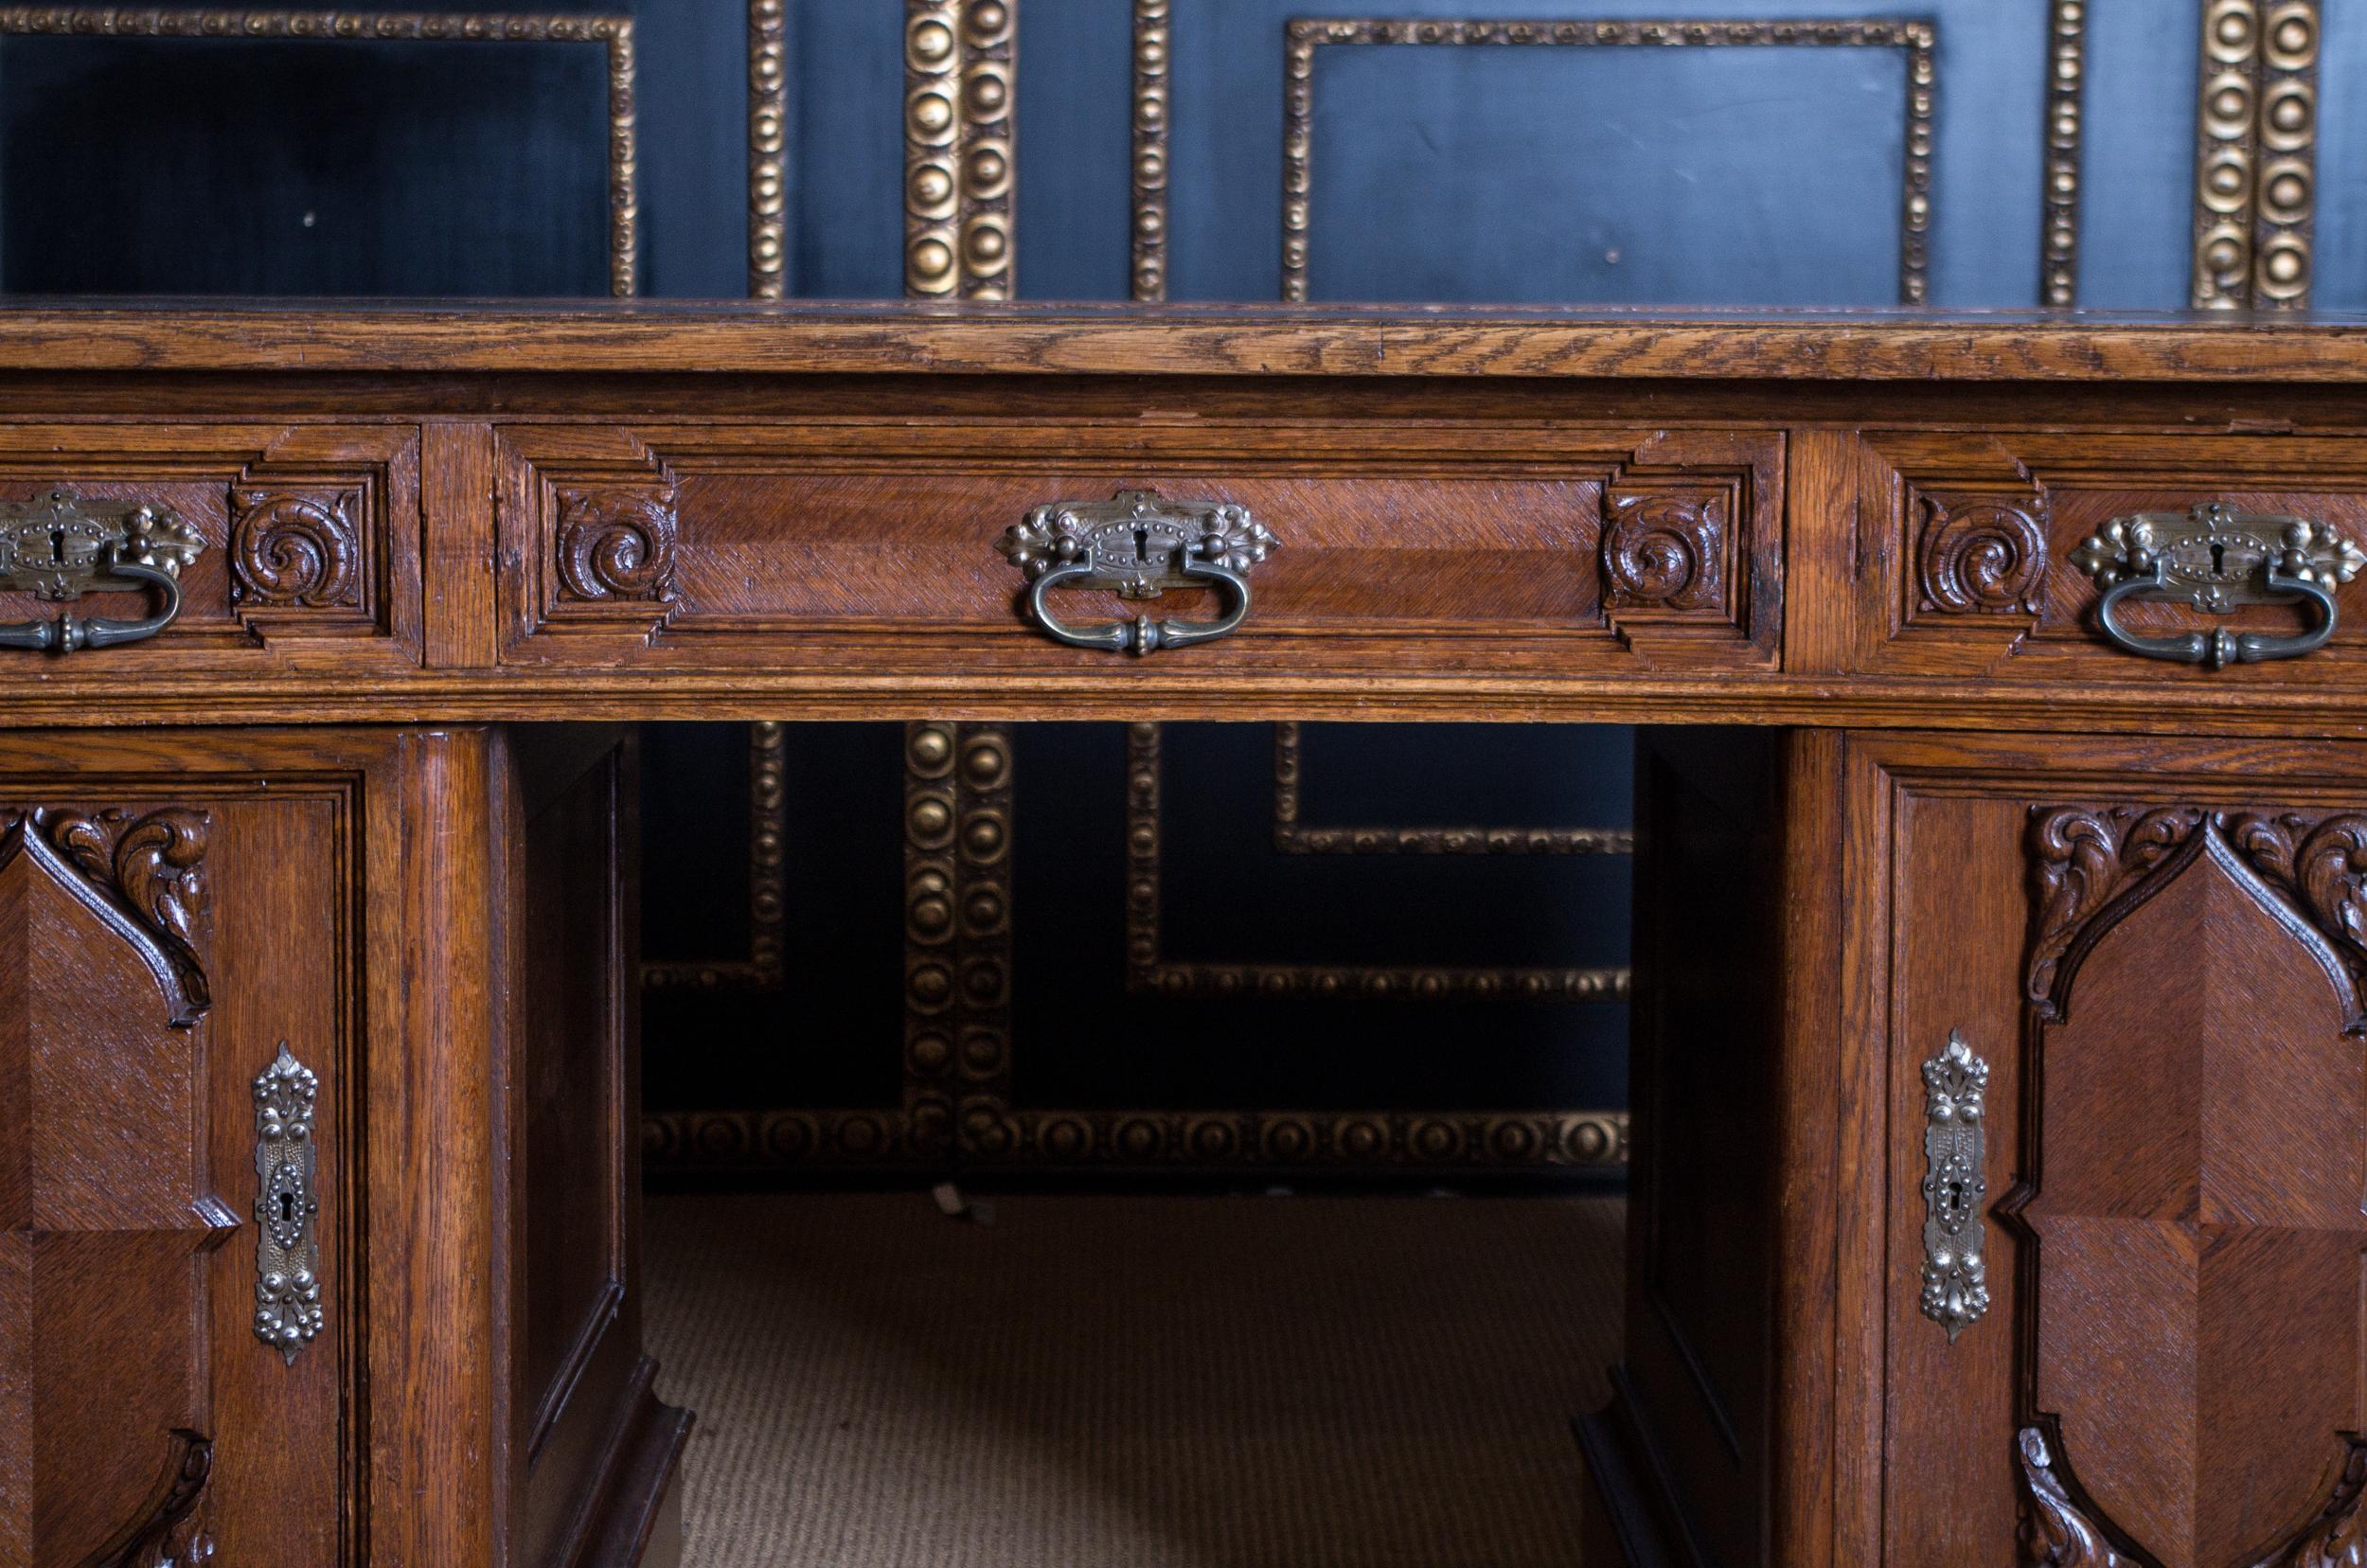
169,1533
147,875
2084,860
2334,1538
2055,1531
2322,867
1982,555
1665,546
293,548
616,542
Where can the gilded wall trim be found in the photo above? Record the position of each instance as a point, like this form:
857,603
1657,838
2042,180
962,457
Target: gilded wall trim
1153,41
1304,36
957,927
1149,971
768,149
2066,91
2256,154
615,35
765,966
684,1142
1294,836
960,97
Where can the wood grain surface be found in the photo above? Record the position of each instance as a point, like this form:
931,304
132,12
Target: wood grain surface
1134,340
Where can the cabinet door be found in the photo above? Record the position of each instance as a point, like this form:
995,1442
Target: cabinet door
176,1028
2119,1316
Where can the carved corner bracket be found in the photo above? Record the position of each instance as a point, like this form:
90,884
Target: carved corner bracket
296,548
2090,868
143,877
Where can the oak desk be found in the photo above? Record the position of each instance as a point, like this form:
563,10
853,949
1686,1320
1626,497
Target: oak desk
2001,932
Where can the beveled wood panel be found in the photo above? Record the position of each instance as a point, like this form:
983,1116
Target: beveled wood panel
311,534
1402,548
1968,537
2144,942
159,941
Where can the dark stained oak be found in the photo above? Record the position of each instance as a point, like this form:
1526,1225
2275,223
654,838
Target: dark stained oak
446,542
1177,339
173,906
2152,944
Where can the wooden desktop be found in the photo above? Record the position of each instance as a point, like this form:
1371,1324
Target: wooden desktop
2000,1130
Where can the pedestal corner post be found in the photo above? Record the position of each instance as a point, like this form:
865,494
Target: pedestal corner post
439,1308
513,1415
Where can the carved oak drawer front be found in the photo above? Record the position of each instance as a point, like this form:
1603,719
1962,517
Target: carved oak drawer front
2214,559
1407,548
197,549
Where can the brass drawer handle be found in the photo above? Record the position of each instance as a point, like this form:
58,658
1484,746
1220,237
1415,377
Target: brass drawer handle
60,547
1138,546
2219,559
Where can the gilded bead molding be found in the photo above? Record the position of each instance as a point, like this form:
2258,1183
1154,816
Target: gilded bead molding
960,103
614,33
2256,154
1305,36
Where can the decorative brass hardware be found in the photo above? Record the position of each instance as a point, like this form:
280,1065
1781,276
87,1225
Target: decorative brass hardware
60,547
287,1249
1955,1278
2219,559
1138,546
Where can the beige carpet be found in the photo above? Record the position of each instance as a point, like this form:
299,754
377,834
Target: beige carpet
1120,1381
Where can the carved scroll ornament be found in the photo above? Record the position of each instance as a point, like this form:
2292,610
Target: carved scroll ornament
298,549
616,542
1665,546
1982,555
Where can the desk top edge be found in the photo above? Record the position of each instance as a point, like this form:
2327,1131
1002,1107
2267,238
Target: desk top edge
808,338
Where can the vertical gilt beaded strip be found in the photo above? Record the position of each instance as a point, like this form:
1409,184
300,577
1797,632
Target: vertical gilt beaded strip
960,95
2066,86
1152,53
2256,154
768,149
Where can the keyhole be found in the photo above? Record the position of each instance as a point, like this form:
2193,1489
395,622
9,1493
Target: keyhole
287,1209
1142,545
2218,560
57,544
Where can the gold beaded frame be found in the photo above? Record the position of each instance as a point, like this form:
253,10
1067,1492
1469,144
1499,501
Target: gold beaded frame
613,34
1305,36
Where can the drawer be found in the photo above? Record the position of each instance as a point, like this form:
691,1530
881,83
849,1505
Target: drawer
1403,548
307,542
1975,555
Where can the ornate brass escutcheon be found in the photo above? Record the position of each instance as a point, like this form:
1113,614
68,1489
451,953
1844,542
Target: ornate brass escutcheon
1955,1099
60,547
288,1312
2219,559
1138,546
